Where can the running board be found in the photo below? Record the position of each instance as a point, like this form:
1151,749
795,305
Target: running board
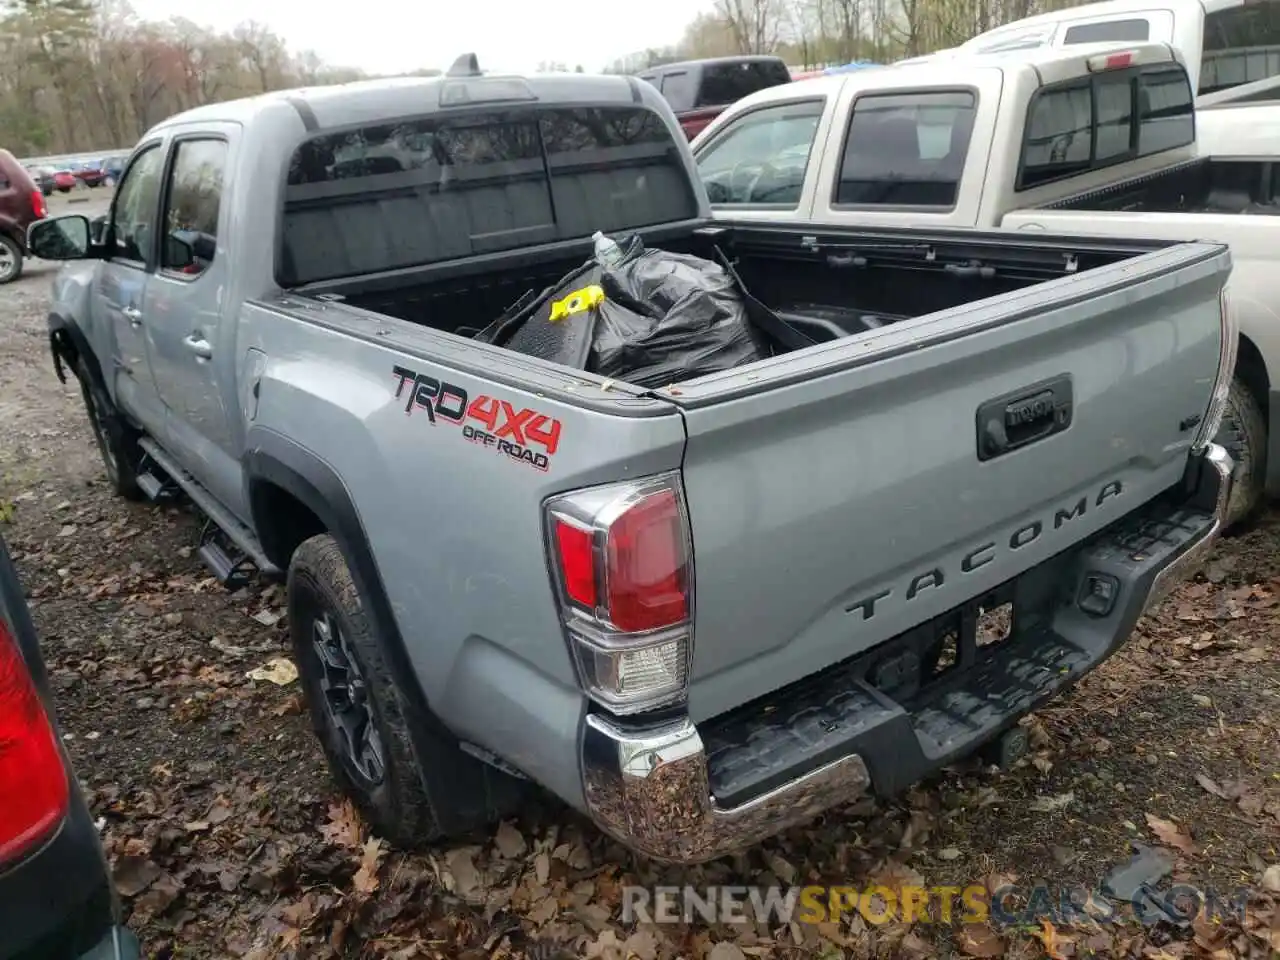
157,486
236,532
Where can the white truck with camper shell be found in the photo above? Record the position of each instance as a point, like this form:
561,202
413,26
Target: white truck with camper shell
1087,140
1231,49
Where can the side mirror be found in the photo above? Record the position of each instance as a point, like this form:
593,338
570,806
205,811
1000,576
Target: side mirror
178,254
98,228
60,238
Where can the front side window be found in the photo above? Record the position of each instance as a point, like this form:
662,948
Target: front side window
430,190
137,200
761,156
906,149
1241,45
192,204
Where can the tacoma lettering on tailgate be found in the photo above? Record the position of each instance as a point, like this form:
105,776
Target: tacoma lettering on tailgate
985,553
485,420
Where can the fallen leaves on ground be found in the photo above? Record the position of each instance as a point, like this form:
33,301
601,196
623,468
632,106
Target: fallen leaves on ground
227,837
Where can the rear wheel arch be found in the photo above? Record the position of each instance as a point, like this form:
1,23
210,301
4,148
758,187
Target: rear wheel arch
295,495
1251,368
1245,434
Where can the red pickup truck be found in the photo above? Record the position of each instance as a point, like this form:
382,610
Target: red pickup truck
698,90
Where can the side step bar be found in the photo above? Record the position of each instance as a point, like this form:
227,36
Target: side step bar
156,488
240,536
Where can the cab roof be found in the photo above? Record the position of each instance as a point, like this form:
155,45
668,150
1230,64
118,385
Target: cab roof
371,101
1050,64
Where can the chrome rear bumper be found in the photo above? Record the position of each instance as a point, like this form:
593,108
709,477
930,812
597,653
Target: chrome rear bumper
649,785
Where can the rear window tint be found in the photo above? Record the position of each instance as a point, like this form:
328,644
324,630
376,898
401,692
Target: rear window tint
906,149
431,190
1090,124
678,90
726,83
1125,31
1241,45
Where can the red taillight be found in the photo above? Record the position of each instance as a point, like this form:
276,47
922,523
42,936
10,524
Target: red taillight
622,561
33,782
577,562
646,566
38,207
623,555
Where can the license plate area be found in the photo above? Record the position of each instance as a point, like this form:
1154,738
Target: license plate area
943,647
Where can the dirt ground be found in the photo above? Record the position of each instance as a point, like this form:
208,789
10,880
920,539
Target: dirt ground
228,840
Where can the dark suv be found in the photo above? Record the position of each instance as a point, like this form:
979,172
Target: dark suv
21,204
56,897
699,90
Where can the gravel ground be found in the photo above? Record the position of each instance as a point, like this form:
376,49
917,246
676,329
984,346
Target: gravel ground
227,838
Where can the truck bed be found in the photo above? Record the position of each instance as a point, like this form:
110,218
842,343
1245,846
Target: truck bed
1204,185
839,495
854,284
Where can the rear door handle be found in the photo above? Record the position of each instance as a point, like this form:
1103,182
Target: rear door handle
199,346
133,315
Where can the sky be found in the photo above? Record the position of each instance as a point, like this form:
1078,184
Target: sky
397,36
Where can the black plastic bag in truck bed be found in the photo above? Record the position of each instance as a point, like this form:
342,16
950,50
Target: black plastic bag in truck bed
653,319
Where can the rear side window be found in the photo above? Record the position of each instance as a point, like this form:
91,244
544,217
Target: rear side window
906,149
1090,124
1125,31
726,83
192,201
1241,45
431,190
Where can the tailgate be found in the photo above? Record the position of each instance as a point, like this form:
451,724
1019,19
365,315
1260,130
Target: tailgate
838,496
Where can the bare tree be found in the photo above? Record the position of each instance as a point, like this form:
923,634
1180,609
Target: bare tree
88,75
755,25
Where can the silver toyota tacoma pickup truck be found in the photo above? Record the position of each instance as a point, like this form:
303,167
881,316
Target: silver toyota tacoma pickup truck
697,612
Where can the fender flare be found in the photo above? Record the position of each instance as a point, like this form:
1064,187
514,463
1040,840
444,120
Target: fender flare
60,327
273,458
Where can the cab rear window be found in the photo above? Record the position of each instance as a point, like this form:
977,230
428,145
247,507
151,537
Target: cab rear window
1090,124
435,189
726,83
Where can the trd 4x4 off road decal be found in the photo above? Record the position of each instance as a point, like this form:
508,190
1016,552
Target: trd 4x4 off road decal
524,435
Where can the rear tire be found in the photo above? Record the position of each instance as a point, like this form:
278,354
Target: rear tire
10,259
411,789
1243,434
117,441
